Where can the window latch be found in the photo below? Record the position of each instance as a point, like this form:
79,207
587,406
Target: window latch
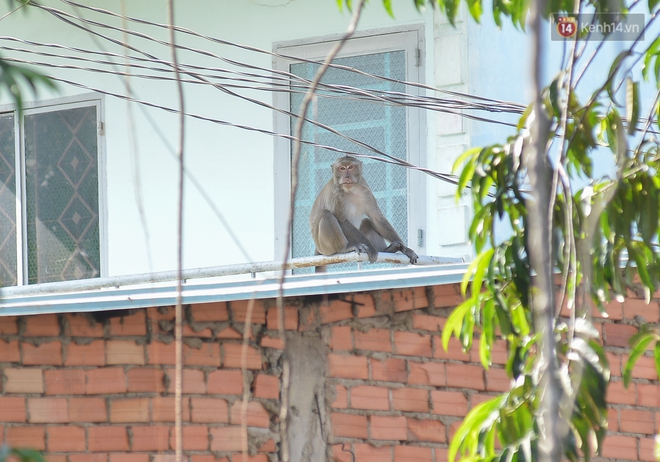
420,238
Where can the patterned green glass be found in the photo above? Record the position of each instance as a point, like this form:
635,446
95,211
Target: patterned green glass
61,159
8,229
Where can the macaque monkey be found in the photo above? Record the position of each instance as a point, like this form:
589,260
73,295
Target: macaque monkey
345,216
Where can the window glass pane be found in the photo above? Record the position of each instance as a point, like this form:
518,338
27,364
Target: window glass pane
8,230
383,127
62,195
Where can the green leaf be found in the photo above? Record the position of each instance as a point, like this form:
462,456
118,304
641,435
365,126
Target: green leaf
476,9
455,321
652,5
632,104
635,354
479,419
656,354
388,7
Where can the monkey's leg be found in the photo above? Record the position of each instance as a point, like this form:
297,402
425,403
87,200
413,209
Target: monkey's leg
367,228
330,237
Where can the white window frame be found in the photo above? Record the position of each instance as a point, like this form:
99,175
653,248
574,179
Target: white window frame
53,105
407,38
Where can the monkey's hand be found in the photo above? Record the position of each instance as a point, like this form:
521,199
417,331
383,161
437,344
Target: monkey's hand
400,247
369,250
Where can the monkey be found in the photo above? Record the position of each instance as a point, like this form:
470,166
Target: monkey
345,217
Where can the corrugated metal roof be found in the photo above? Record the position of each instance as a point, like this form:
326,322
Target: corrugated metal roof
13,301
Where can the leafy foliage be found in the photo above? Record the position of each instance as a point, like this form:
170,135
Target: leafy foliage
14,79
602,236
22,455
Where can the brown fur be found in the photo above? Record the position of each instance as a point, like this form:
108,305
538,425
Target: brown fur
345,216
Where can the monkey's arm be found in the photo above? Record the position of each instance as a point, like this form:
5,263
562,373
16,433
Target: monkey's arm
358,241
387,231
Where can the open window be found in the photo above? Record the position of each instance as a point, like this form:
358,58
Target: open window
378,64
49,194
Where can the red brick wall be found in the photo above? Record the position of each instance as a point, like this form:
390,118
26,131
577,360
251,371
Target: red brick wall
88,391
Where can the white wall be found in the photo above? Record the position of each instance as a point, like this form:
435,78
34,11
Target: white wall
234,166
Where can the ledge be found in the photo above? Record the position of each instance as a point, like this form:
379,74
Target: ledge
206,285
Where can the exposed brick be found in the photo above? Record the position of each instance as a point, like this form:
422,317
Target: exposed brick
95,457
129,410
341,397
633,421
80,325
368,453
615,363
613,309
162,409
46,354
369,397
647,394
225,439
647,449
68,438
632,308
266,386
644,368
161,353
374,340
195,438
618,394
23,381
348,367
65,382
8,325
105,381
342,453
349,425
103,439
612,420
208,354
446,296
209,312
618,334
197,331
230,333
123,457
232,357
207,458
55,457
92,354
364,305
341,338
465,376
497,380
26,437
290,318
427,374
272,342
431,431
42,325
146,380
211,410
389,370
134,324
336,310
239,311
87,410
619,447
47,410
409,299
222,382
410,399
412,344
150,438
194,382
413,454
427,322
124,352
13,409
454,350
256,414
388,428
449,403
9,352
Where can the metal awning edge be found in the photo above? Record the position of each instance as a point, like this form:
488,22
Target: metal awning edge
202,291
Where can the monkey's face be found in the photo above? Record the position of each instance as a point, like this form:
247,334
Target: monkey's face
346,174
